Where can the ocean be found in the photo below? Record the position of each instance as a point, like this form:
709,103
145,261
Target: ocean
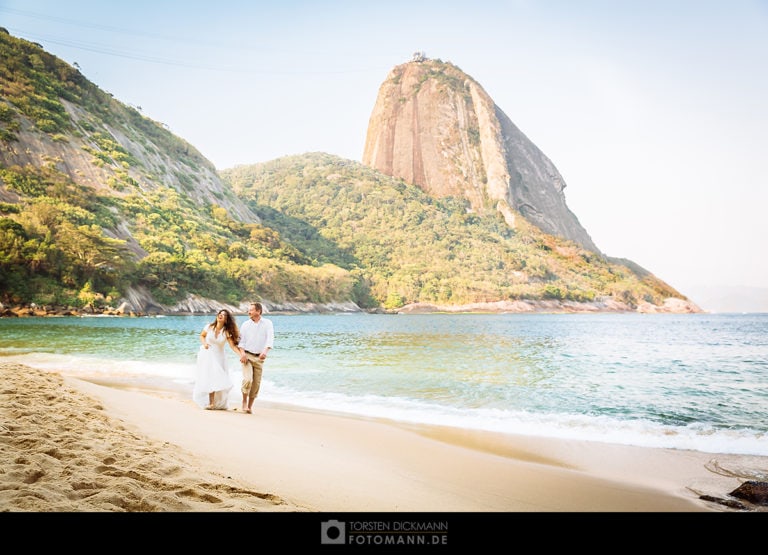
693,381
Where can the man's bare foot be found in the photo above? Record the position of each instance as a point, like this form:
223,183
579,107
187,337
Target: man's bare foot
247,411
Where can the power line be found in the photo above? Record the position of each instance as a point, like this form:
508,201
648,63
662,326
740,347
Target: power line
238,47
108,51
109,28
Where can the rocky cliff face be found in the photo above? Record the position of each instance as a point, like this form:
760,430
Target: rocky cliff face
85,158
434,126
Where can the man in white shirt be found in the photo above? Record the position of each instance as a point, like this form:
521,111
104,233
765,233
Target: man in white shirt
257,335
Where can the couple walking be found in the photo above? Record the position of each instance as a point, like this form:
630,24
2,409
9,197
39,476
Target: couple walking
251,343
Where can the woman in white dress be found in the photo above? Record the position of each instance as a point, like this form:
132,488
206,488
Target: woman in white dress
212,381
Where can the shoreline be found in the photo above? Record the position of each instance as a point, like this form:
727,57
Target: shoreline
77,445
197,306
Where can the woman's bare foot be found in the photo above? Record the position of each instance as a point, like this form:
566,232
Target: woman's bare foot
210,407
247,411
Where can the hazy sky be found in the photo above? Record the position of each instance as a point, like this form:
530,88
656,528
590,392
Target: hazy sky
655,112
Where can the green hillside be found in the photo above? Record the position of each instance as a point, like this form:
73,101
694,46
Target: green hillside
409,247
154,216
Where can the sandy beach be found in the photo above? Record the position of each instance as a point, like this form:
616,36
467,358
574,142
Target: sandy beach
69,445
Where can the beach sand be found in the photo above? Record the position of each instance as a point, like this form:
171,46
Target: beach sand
70,445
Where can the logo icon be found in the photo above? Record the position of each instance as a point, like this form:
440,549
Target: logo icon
333,532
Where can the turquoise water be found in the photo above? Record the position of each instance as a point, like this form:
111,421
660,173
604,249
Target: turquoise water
680,381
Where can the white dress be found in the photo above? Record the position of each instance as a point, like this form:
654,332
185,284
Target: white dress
211,373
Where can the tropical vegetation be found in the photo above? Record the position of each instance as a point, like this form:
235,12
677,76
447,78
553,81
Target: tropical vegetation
327,230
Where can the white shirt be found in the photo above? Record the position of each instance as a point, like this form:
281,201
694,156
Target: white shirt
256,337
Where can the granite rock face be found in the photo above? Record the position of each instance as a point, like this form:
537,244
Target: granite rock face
435,127
152,164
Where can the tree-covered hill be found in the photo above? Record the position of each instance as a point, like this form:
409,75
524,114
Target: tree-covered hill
97,201
411,248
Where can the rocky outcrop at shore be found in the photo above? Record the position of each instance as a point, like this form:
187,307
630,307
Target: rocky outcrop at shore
670,306
190,306
140,301
193,304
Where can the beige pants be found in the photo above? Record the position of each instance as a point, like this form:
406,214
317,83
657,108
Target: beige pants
251,376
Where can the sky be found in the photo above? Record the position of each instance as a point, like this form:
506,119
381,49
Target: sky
654,112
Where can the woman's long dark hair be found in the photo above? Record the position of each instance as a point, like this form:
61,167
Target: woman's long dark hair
230,326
